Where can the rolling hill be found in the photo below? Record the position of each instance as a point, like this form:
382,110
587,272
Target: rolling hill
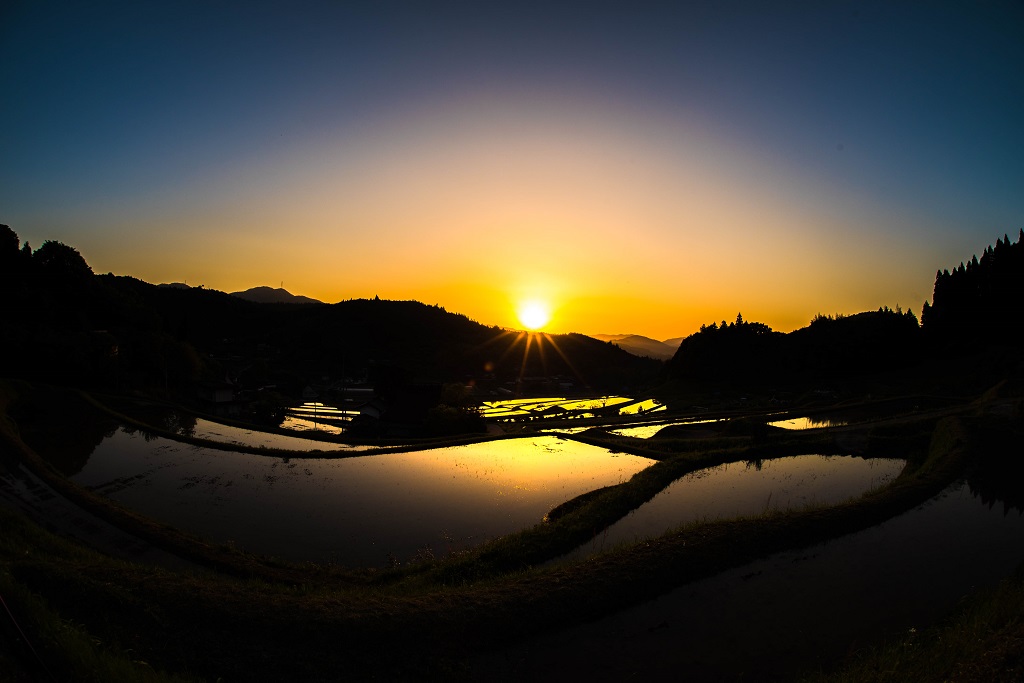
274,295
639,345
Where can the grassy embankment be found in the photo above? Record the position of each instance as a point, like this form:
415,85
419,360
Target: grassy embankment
250,616
983,642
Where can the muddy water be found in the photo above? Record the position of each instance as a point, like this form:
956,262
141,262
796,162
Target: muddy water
356,511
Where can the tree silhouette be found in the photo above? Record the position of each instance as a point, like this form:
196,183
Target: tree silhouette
829,348
14,260
58,260
980,302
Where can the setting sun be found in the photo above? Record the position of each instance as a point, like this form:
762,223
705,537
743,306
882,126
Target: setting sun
534,314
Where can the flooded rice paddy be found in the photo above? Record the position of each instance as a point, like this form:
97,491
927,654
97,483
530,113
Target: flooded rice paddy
868,412
359,511
646,431
807,423
318,417
304,424
741,489
519,409
797,610
252,438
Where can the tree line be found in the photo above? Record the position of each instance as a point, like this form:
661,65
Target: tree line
67,325
976,306
979,302
829,347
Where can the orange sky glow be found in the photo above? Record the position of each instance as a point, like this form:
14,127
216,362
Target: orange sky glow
640,170
652,229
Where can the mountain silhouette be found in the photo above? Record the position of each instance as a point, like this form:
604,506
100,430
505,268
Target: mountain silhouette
274,295
64,324
640,345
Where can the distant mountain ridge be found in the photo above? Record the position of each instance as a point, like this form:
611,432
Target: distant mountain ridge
274,295
639,345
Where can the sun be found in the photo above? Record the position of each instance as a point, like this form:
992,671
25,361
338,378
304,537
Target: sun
534,314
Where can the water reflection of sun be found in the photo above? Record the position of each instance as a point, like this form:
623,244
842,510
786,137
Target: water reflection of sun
534,314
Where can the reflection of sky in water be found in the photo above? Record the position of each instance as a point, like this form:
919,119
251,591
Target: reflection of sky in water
321,410
543,406
806,423
736,489
300,424
646,406
352,510
647,431
523,401
837,597
214,431
311,416
594,403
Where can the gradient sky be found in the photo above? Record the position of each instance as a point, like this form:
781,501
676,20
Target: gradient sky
644,168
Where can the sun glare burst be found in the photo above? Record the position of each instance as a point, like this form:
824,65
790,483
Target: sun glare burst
534,314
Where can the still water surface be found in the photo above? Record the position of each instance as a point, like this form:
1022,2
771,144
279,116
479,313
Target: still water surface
801,423
355,511
796,610
743,489
252,438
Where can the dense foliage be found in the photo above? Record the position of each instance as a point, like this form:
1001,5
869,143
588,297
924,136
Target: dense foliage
982,301
830,347
975,306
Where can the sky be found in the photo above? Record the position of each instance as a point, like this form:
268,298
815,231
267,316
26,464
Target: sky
635,167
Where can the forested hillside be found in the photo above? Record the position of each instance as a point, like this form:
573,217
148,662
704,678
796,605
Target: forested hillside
64,324
978,305
981,301
830,347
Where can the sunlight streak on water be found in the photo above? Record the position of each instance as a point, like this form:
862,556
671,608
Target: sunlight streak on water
806,423
647,431
251,438
351,510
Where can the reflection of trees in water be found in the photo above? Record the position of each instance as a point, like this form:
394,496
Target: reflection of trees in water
999,481
826,421
168,420
179,423
67,441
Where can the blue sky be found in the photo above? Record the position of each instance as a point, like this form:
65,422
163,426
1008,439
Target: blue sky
659,165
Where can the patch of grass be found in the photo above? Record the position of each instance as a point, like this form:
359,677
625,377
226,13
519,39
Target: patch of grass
48,646
982,643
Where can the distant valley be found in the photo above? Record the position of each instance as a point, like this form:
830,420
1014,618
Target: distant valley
638,345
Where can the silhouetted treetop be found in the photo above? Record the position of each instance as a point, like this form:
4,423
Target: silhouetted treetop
57,259
981,301
9,242
830,347
13,259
